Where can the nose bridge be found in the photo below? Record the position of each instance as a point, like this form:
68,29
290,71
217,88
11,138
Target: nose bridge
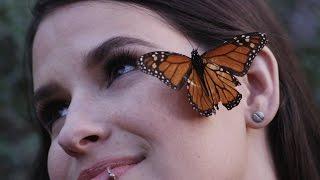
84,126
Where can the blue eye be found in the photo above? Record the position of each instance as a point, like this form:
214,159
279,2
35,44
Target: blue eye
63,112
119,64
48,113
125,69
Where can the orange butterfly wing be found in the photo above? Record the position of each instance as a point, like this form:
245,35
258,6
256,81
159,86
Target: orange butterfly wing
221,86
171,68
200,101
236,55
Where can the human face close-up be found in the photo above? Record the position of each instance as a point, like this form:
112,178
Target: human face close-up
98,110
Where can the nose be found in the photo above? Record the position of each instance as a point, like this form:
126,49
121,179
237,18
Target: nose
82,131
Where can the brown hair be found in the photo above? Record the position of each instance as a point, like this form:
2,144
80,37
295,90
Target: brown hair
294,134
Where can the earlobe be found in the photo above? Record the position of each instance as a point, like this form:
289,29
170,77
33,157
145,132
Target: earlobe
263,90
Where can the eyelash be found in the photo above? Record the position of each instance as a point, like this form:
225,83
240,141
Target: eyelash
50,111
119,60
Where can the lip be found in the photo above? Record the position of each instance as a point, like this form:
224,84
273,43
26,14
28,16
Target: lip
102,166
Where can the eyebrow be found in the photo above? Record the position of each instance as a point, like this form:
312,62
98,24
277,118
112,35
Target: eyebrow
100,53
93,58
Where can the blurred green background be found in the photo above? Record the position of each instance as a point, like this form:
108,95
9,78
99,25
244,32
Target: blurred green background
18,142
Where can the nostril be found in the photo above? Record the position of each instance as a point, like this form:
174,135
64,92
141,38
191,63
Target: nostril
92,138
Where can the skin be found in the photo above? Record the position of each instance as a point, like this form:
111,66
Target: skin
140,114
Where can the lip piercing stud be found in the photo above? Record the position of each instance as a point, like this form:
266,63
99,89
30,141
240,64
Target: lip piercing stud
111,175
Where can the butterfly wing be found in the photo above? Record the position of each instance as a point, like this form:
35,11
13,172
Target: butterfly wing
221,86
236,55
200,101
171,68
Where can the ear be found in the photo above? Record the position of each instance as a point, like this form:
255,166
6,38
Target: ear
263,88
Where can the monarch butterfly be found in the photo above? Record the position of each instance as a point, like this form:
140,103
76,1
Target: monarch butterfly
210,78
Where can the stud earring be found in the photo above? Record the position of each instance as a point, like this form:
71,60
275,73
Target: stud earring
258,117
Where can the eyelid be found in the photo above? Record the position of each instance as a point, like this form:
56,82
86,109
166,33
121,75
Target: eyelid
45,109
119,54
121,57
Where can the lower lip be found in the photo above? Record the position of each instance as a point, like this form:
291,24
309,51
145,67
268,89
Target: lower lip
118,171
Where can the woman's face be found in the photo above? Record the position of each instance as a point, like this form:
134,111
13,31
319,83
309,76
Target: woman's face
101,111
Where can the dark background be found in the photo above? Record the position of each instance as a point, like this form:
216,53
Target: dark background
18,142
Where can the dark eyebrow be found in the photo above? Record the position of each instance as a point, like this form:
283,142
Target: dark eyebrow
98,54
93,58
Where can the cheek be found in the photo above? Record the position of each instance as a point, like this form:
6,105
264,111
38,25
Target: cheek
160,99
58,162
225,144
211,148
183,141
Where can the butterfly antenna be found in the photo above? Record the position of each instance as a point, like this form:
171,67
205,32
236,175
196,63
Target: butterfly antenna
184,34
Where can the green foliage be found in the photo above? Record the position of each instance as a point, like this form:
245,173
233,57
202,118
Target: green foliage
18,142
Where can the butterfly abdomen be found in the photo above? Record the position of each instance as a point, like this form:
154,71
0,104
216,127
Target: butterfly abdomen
198,65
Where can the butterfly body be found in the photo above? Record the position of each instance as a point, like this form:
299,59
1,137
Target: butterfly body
210,77
198,64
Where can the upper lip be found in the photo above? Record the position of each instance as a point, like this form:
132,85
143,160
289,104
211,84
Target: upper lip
102,166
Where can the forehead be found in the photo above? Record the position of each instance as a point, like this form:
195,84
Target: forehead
71,31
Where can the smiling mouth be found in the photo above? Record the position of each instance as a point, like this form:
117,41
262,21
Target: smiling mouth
118,166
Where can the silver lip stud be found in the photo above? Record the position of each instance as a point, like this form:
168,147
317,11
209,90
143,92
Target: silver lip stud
257,117
111,175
